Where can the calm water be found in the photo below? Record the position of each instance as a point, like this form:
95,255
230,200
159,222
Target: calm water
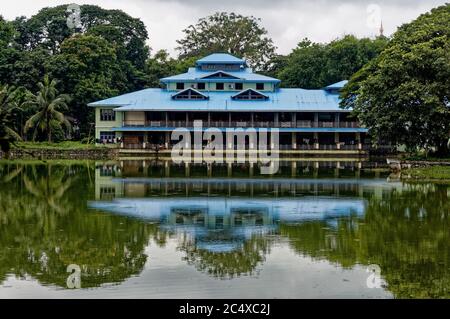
156,230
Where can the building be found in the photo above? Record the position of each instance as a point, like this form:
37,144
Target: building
223,92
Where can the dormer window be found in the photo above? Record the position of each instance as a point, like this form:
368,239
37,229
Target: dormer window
250,95
238,86
260,86
219,86
180,86
189,94
200,86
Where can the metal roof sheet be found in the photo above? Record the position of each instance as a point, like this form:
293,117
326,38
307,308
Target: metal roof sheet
220,58
337,85
300,100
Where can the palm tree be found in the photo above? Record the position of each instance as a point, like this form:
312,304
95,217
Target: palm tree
8,105
49,104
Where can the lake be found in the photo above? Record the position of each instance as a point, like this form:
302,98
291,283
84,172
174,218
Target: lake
155,229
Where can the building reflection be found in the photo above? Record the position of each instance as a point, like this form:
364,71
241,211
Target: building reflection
222,221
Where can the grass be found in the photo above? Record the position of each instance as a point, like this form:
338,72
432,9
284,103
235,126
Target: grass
66,145
421,157
429,173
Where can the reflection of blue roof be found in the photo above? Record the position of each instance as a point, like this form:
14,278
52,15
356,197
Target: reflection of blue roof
288,210
197,75
216,58
280,100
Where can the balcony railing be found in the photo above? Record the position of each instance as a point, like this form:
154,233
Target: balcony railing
256,124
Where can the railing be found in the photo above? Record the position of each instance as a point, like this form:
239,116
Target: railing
348,147
134,123
325,124
257,124
133,145
342,147
327,146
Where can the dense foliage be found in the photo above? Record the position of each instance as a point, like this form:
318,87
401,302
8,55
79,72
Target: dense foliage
403,95
315,65
232,33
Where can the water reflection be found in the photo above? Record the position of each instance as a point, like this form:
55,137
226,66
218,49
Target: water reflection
226,221
44,228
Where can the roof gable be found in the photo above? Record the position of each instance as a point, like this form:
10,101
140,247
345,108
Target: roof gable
220,75
189,94
250,94
219,58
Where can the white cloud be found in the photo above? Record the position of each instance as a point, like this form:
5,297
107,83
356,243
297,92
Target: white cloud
287,21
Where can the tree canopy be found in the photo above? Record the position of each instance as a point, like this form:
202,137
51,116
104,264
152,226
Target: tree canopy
402,96
232,33
314,65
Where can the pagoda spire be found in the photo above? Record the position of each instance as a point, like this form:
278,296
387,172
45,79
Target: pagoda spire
381,29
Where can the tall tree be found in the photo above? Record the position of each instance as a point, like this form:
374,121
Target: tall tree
48,28
229,32
158,66
315,65
87,67
49,106
402,96
8,104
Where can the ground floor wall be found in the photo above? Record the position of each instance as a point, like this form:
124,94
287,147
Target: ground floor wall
161,140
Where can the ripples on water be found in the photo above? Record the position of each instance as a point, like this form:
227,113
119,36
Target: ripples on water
158,230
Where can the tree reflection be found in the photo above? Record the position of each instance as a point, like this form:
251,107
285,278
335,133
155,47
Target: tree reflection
45,226
242,260
405,233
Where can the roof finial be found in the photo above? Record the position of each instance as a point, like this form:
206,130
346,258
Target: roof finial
381,29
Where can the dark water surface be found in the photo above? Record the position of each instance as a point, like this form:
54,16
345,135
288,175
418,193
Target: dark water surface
153,229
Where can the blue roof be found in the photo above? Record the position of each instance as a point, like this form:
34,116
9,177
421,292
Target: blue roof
337,85
219,58
300,100
197,75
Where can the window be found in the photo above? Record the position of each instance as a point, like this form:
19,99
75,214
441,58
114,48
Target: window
107,136
260,86
107,192
107,115
201,86
238,86
180,86
219,86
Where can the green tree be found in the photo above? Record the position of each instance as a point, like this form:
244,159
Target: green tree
228,32
89,70
315,65
48,29
8,104
158,66
402,96
49,106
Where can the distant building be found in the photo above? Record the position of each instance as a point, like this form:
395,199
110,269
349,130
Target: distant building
223,92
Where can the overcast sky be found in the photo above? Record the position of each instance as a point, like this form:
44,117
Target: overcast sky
287,21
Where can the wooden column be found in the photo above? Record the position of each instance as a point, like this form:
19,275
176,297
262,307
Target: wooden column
294,140
336,140
316,140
